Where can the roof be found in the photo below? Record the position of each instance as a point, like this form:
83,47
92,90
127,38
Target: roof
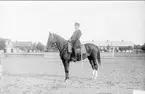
3,39
3,44
22,43
110,43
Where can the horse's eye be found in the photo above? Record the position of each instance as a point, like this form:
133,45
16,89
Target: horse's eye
54,44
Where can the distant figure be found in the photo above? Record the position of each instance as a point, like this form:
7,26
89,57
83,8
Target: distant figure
0,66
75,41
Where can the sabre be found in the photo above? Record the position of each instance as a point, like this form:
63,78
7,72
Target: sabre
82,56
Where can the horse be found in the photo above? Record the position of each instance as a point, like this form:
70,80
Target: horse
93,53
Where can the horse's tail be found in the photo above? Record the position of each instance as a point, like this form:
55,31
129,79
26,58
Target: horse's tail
98,57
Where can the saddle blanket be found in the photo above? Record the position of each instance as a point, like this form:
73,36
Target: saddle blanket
83,49
78,50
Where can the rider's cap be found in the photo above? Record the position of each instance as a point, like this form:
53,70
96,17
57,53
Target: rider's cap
77,24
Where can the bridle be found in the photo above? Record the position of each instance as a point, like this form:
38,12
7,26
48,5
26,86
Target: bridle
54,40
64,46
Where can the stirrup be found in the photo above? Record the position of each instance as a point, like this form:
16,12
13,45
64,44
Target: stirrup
73,59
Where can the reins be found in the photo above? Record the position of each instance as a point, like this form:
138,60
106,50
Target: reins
64,46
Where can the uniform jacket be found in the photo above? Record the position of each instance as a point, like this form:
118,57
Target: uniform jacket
75,38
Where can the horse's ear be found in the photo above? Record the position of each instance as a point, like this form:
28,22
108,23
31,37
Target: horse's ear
49,33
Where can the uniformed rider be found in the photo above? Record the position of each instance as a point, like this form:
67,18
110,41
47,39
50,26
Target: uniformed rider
75,41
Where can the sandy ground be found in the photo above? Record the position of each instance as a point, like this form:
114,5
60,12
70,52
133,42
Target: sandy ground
39,75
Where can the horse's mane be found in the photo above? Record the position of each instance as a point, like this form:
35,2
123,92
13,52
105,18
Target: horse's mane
61,42
58,36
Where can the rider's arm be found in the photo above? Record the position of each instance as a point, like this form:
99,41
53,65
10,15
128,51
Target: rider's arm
73,36
76,36
79,33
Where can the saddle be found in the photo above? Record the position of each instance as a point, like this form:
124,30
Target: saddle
79,50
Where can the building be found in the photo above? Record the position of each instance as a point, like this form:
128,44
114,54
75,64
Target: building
110,45
22,46
6,45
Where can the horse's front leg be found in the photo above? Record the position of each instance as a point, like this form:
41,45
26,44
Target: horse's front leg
66,69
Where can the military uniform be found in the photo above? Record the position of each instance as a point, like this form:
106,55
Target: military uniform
75,41
75,38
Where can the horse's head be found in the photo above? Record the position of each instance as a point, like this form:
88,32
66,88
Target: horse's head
51,41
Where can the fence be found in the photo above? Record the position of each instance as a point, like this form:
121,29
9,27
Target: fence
56,54
23,54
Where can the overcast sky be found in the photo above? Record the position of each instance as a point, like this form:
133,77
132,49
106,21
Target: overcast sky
99,20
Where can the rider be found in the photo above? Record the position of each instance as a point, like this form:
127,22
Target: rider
75,41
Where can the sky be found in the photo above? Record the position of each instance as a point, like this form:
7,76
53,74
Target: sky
99,20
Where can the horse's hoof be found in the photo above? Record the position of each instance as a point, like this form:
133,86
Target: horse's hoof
66,79
67,82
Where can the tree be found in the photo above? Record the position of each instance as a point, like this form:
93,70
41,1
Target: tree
143,47
33,46
40,46
2,44
129,48
125,48
122,48
22,48
137,48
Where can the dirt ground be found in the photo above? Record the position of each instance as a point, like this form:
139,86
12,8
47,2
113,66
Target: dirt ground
39,75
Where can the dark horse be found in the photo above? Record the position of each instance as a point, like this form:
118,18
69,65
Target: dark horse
93,53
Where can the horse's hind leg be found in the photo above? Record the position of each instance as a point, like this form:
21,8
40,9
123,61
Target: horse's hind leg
94,58
95,68
92,65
